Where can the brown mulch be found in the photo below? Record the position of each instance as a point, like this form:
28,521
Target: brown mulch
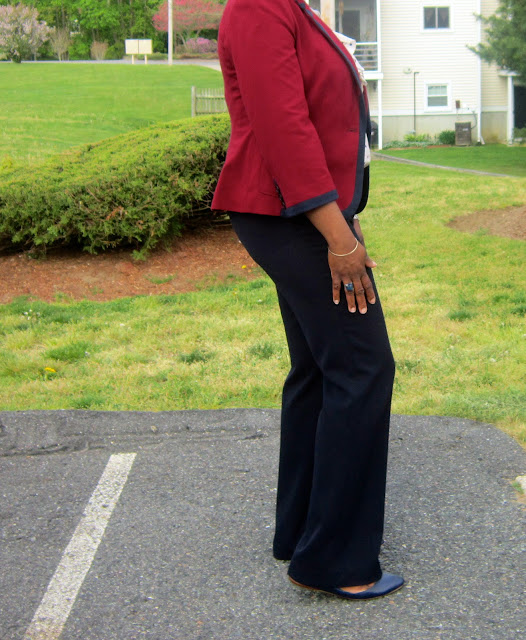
508,223
207,256
201,257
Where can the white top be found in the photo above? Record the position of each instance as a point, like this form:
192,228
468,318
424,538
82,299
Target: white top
350,45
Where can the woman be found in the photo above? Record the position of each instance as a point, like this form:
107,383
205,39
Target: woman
293,181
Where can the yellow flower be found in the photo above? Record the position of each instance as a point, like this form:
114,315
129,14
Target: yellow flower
244,266
49,369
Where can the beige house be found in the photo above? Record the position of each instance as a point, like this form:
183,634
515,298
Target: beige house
422,77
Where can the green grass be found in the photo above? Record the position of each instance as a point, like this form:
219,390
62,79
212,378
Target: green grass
454,304
495,158
47,108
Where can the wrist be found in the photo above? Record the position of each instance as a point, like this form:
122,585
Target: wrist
341,241
329,221
339,244
347,253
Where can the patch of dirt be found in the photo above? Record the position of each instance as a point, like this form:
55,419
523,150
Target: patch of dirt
202,257
199,258
508,223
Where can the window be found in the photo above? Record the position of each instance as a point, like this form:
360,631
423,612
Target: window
436,17
437,96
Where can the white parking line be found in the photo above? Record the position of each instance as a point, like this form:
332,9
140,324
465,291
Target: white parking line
51,615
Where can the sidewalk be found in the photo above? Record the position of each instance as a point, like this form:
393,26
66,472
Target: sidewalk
186,553
384,156
202,62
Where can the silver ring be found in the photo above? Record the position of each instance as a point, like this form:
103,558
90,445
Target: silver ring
349,286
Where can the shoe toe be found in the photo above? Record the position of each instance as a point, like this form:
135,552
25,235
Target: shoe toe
388,583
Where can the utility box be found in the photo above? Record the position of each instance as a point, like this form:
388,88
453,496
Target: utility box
462,134
374,134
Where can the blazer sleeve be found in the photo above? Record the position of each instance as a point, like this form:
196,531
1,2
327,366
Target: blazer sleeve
262,46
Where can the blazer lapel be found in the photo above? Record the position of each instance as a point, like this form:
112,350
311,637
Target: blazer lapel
332,38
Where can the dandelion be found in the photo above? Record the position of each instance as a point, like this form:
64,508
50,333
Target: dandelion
49,369
244,266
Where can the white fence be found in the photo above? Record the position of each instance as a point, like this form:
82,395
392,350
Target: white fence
205,101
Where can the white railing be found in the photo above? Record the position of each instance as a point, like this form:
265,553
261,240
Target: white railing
367,55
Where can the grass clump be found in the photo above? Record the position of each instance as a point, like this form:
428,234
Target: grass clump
70,352
134,189
264,350
196,355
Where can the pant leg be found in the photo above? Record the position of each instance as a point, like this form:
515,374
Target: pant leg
301,404
343,529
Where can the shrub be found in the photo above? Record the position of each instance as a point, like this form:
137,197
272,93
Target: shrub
116,51
79,49
60,39
410,140
417,137
133,189
98,50
404,144
519,133
446,137
200,45
21,33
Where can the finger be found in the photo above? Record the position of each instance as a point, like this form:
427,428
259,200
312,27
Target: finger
349,294
359,294
369,262
369,289
336,286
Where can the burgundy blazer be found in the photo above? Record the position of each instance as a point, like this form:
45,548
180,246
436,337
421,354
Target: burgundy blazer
299,117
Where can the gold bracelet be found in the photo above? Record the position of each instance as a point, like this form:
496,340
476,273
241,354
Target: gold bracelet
342,255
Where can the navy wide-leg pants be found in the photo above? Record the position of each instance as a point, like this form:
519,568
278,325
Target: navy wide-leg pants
335,411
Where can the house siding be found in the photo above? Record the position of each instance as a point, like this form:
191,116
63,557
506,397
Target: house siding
440,57
494,91
494,87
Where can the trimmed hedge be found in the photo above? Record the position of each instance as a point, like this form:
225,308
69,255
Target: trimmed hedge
133,189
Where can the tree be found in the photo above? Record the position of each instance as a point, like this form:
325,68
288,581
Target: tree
109,21
189,17
506,37
21,33
60,40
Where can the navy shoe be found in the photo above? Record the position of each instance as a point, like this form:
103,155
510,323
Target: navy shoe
388,583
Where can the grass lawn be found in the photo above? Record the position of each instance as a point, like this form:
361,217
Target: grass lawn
47,108
454,302
495,158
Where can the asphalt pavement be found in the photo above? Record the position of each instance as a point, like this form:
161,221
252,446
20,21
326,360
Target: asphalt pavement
132,525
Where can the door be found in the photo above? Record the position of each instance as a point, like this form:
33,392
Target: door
520,106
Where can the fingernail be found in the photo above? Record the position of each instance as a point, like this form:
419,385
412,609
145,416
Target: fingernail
353,310
363,310
336,301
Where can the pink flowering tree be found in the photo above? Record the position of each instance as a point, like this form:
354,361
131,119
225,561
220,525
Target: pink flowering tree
21,33
189,17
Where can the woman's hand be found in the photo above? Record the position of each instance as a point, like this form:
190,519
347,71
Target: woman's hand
345,269
351,269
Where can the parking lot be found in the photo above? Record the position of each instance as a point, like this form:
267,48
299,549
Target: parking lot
125,525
